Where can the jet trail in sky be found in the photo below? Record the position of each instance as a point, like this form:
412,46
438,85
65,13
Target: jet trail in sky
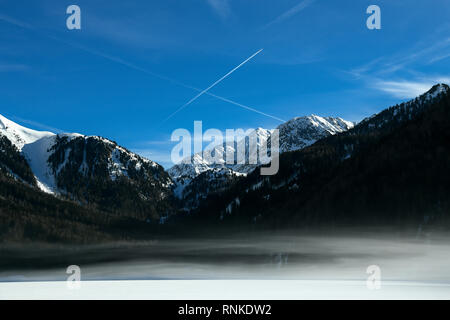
21,24
244,106
213,85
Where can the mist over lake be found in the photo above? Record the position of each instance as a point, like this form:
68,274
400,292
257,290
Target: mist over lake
404,257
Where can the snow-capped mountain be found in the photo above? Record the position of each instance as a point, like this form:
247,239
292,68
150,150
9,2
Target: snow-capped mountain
201,162
301,132
391,166
88,169
295,134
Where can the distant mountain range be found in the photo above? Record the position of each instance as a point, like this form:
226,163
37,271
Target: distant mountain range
201,175
390,168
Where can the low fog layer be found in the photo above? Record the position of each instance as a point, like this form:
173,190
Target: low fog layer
334,257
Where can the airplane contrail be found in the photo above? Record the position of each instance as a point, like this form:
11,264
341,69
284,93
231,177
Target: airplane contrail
213,85
244,106
179,83
137,68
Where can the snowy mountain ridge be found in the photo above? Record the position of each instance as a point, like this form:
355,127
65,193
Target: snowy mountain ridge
18,135
40,148
301,132
294,134
399,151
408,109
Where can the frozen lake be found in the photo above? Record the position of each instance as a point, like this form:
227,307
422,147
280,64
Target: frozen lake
242,267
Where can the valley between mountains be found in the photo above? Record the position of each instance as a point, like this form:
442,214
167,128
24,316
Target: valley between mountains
392,168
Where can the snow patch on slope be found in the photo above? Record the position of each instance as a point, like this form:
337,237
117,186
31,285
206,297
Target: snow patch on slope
37,154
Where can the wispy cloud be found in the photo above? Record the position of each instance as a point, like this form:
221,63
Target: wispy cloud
397,74
418,55
15,22
221,7
289,13
424,53
439,58
405,89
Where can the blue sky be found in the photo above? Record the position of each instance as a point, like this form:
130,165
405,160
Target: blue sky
134,63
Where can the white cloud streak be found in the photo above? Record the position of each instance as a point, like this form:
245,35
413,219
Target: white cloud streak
15,22
425,54
405,89
289,13
439,58
396,74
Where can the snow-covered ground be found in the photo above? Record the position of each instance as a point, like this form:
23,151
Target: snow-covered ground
223,290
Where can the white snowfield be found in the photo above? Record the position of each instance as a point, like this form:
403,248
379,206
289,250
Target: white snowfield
224,290
37,154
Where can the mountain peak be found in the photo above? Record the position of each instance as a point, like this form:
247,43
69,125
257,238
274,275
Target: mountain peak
20,135
200,170
54,157
437,89
301,132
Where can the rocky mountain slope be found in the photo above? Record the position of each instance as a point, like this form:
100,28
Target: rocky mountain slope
90,170
390,168
200,175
